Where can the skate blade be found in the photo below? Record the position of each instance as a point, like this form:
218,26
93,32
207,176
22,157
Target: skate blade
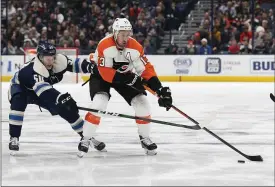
13,153
80,154
103,150
150,152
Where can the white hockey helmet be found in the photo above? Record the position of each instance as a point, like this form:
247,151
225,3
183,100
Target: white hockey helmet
121,24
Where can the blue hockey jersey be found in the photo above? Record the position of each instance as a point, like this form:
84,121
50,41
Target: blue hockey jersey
34,78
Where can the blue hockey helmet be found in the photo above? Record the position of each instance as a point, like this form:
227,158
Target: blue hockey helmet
45,49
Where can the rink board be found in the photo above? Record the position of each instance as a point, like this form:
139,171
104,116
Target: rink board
194,79
188,68
210,79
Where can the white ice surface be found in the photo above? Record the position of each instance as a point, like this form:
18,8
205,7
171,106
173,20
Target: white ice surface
243,116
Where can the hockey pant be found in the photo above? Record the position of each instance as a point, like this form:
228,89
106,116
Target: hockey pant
19,99
100,95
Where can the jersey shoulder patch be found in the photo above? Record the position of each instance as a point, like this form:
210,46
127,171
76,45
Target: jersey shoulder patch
61,63
39,68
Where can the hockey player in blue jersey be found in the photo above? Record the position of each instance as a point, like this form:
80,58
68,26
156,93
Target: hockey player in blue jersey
33,85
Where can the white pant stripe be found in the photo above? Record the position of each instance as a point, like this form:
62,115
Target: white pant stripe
76,122
39,84
41,90
79,130
13,122
17,113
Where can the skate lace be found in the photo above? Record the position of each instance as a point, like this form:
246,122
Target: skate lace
95,142
147,141
85,143
14,141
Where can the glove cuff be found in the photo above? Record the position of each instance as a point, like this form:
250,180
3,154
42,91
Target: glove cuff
154,84
159,91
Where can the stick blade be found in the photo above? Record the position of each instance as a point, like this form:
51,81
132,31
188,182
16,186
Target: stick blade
196,127
257,158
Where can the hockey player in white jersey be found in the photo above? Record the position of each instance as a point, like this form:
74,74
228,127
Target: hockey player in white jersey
33,85
117,56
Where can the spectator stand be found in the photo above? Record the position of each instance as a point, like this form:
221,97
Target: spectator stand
161,26
232,31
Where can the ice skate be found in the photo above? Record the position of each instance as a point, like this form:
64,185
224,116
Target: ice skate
98,145
83,147
148,145
14,145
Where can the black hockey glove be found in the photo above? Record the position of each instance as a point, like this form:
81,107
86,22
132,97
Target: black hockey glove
89,67
134,80
92,68
66,103
165,98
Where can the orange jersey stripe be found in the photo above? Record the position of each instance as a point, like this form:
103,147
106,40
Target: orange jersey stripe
149,72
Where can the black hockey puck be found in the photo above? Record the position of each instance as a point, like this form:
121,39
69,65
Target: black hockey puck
241,161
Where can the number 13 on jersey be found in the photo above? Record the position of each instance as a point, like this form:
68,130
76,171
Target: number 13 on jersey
101,61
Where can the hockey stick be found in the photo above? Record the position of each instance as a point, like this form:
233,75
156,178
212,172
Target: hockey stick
252,158
272,97
86,82
195,127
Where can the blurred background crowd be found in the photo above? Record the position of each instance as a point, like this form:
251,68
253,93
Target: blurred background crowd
161,26
232,32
